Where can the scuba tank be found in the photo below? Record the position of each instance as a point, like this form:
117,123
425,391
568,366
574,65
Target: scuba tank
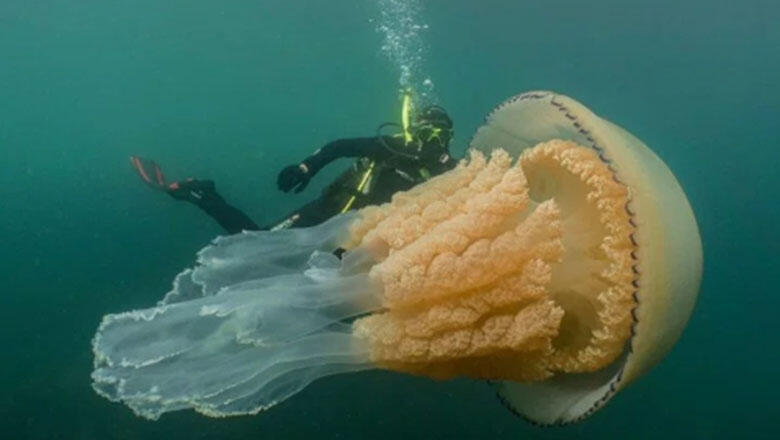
368,169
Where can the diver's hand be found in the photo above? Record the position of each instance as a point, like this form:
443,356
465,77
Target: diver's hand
293,176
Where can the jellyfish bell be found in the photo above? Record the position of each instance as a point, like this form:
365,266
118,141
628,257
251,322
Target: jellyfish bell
561,260
666,248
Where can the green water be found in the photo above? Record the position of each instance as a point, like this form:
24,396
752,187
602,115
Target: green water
234,90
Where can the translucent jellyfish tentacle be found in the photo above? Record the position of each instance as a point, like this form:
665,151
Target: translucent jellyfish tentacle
254,255
249,344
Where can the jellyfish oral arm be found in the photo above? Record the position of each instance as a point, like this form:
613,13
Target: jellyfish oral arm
246,346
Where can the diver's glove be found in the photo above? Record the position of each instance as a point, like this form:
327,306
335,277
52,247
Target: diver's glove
294,177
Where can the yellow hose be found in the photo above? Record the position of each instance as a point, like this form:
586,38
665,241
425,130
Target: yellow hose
360,187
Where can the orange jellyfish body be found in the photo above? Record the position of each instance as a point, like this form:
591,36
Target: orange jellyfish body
504,272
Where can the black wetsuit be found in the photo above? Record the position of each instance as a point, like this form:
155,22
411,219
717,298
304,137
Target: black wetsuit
203,194
393,167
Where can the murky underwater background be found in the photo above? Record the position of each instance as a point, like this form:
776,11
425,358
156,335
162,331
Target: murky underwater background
234,90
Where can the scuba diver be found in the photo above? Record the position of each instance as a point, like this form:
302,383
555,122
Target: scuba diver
385,165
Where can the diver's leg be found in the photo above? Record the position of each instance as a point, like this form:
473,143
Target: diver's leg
203,194
313,213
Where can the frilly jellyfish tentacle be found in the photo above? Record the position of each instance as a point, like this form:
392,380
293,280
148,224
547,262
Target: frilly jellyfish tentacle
252,256
241,346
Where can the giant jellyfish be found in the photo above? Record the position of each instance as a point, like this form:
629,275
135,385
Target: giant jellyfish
560,260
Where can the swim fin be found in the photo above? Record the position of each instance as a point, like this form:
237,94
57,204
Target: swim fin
149,172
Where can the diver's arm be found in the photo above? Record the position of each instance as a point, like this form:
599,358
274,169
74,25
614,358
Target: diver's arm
297,176
338,149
